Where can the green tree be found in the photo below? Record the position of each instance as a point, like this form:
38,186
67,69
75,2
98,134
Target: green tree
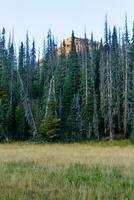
51,128
72,84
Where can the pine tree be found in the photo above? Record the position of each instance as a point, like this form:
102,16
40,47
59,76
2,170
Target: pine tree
117,83
106,83
71,86
86,89
126,64
27,82
131,87
60,75
51,128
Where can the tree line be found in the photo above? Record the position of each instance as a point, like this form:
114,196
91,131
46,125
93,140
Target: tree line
68,97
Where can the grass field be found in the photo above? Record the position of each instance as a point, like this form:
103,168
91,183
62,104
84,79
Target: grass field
84,171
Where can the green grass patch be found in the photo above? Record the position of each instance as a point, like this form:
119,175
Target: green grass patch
29,181
103,143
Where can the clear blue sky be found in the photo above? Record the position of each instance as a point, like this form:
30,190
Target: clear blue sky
62,16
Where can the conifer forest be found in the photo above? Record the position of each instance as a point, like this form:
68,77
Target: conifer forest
83,94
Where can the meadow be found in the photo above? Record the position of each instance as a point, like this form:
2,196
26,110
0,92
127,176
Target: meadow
77,171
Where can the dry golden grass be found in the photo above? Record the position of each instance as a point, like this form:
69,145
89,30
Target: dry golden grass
54,154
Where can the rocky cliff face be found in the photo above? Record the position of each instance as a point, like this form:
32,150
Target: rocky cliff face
79,42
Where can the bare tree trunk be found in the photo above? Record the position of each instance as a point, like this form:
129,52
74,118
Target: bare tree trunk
109,82
49,95
126,95
27,108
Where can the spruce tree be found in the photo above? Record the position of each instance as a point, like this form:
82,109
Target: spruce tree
71,86
51,127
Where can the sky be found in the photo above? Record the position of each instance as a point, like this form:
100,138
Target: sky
62,16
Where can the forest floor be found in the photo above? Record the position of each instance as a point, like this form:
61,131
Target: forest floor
77,171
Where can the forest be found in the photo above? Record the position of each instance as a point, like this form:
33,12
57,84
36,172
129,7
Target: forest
83,95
